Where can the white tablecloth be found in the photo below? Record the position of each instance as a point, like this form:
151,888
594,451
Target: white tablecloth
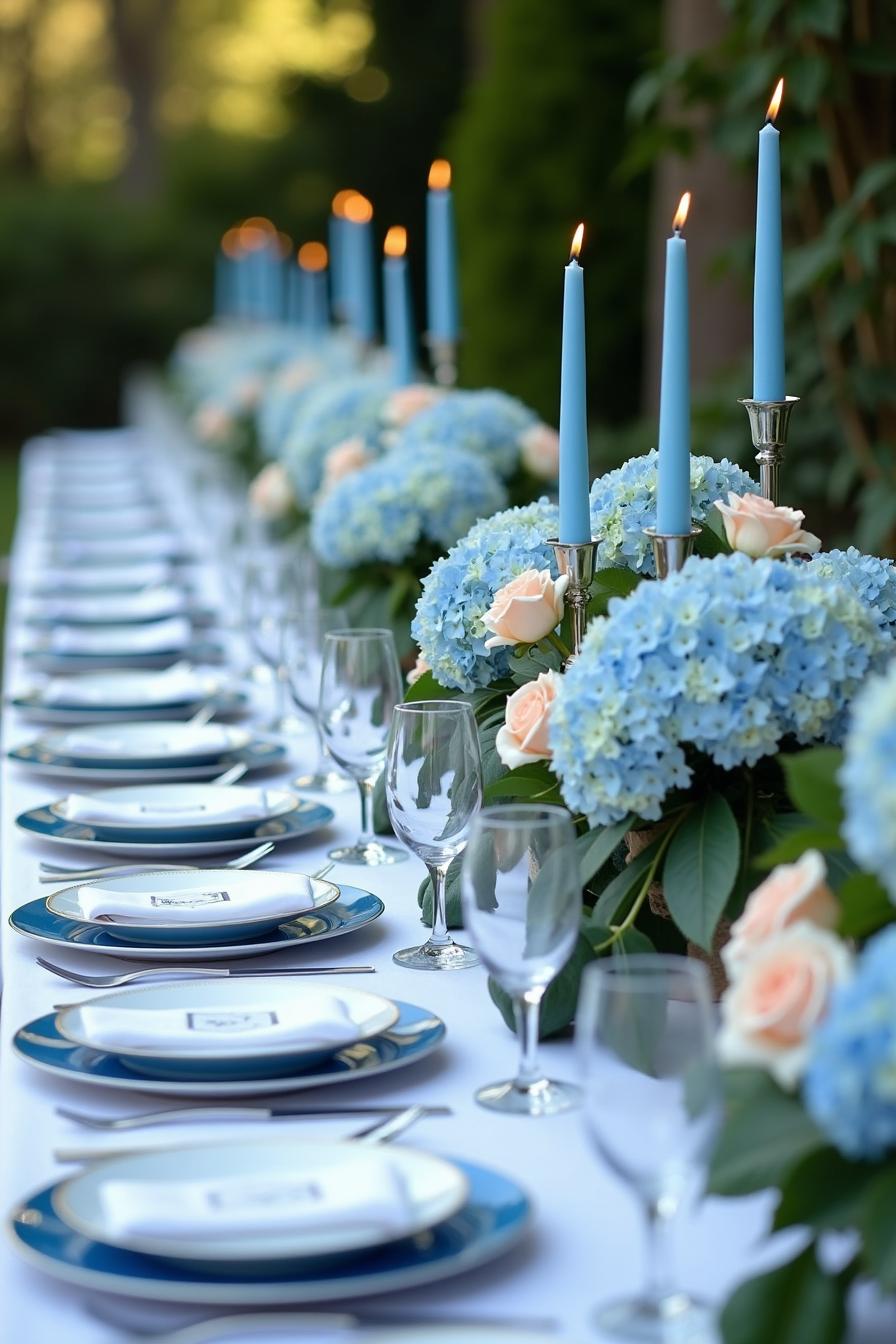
585,1243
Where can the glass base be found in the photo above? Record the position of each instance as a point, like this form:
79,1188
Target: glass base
368,854
543,1097
677,1319
285,725
327,782
430,957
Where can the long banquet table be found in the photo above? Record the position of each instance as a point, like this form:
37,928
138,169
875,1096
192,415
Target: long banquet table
585,1241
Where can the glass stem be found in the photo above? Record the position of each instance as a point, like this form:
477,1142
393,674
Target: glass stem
439,937
365,788
282,710
527,1011
659,1246
324,765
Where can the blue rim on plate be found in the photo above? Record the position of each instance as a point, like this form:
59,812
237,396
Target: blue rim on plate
30,703
202,651
197,615
308,816
494,1218
354,909
256,755
414,1036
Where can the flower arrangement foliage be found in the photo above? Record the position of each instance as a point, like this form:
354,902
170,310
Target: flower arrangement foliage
486,421
623,504
869,780
871,578
340,408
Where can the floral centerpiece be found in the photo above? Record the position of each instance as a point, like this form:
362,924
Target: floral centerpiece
662,737
809,1037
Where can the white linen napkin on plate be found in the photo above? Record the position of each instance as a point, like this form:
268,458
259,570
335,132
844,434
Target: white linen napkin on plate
318,1022
176,685
156,637
210,738
228,901
144,605
220,805
331,1198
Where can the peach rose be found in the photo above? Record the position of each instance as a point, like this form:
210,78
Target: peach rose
540,449
347,457
212,422
406,402
271,494
780,996
523,737
417,670
793,892
525,609
249,390
758,527
298,374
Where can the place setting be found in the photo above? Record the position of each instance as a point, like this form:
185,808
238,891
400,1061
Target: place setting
65,648
178,691
148,603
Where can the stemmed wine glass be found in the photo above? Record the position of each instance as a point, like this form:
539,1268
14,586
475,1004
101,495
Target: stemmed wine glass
272,578
303,634
522,899
433,792
360,685
645,1038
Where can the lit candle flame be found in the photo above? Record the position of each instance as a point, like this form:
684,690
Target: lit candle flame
284,244
341,199
396,243
440,175
576,247
681,213
358,209
775,105
312,257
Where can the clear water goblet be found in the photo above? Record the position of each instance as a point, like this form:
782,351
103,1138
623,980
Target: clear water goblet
433,792
303,634
272,578
645,1041
522,901
360,685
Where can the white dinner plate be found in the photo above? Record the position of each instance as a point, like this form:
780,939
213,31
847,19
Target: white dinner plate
433,1190
144,744
56,583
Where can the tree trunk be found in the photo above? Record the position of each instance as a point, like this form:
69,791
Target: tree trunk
722,207
138,29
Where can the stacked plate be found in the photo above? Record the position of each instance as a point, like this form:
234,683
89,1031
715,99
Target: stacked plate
63,648
147,752
110,697
175,820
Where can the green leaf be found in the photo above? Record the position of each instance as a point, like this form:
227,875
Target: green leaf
701,868
622,886
612,582
452,897
764,1136
596,847
812,784
559,1004
824,1191
427,688
536,781
794,846
712,540
381,823
864,906
878,1229
796,1303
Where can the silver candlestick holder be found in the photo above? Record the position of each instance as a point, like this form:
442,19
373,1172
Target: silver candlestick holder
671,550
577,561
769,423
443,358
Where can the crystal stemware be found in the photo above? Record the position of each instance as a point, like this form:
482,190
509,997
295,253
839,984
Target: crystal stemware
303,634
360,685
645,1038
433,792
522,899
272,578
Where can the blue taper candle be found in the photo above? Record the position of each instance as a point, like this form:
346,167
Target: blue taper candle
575,512
768,277
397,305
360,267
674,483
442,299
337,230
313,306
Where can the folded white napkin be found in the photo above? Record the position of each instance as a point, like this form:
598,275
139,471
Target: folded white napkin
176,685
210,738
99,577
308,1023
219,805
145,544
151,602
228,901
155,637
372,1195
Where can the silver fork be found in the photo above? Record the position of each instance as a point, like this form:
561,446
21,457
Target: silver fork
109,1124
53,874
191,973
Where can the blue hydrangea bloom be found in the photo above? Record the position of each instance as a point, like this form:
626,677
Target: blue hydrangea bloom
729,656
871,578
460,587
868,779
850,1083
487,422
382,511
623,503
341,408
